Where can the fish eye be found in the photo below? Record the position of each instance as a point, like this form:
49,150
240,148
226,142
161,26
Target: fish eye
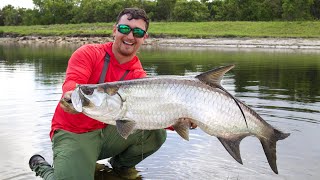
87,90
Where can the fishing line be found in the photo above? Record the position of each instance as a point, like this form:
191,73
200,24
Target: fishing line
142,145
236,101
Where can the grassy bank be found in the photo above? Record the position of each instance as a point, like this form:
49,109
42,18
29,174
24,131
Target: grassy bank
305,29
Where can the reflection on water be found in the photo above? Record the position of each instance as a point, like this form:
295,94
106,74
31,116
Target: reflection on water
282,86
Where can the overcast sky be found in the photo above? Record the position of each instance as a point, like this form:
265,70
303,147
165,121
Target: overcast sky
17,3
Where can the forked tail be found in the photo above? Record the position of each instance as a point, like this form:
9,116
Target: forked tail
268,144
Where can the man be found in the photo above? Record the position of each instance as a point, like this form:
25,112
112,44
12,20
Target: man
79,141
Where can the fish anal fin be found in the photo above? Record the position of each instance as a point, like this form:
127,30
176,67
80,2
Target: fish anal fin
182,126
233,147
125,127
213,77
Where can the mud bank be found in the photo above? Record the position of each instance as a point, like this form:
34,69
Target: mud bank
279,43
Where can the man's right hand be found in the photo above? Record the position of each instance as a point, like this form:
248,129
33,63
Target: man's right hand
65,103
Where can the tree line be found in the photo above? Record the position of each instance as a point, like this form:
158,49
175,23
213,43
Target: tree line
47,12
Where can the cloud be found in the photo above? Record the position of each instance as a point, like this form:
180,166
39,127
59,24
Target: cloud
17,3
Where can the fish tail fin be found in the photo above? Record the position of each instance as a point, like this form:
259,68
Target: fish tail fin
269,147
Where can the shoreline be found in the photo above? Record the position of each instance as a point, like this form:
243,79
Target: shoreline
273,43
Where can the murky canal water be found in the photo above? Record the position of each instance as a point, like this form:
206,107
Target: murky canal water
283,86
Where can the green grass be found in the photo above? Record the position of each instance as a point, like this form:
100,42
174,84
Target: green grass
295,29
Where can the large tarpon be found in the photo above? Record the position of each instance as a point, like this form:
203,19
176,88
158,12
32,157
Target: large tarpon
163,101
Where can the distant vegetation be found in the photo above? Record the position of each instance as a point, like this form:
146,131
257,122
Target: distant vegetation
278,29
48,12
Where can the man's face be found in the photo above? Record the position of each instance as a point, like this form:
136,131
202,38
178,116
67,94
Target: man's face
128,45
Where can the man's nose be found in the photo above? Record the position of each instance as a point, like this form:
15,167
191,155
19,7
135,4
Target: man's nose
130,35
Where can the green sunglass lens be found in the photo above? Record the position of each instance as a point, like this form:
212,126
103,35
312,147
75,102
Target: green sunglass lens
138,32
124,29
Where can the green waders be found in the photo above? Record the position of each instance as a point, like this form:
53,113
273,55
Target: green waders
75,155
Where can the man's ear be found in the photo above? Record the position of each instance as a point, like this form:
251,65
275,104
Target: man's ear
146,36
114,30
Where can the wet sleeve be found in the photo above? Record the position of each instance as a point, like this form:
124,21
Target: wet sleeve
79,69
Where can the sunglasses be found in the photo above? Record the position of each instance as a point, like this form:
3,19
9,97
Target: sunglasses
125,29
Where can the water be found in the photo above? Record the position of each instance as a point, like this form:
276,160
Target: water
283,86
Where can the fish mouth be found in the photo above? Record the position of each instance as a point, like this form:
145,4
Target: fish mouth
76,100
86,95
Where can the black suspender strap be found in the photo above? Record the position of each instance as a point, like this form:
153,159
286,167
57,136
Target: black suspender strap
124,75
105,68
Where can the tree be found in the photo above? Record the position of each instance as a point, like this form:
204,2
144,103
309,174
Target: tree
273,10
150,8
190,11
103,11
84,11
315,9
164,9
90,11
29,17
1,18
213,7
248,10
297,9
11,16
54,11
229,10
260,10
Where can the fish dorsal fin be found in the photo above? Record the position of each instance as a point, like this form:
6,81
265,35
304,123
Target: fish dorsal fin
214,76
233,147
182,127
125,127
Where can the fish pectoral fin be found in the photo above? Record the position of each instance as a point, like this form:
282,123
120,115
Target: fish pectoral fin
233,147
182,126
125,127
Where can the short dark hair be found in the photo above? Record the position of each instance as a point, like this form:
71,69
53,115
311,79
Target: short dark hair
134,13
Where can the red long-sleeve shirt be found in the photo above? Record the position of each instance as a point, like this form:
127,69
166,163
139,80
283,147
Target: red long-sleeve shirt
85,67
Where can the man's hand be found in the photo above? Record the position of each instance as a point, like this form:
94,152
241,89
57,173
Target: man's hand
65,103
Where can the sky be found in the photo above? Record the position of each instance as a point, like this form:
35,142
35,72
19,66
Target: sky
17,3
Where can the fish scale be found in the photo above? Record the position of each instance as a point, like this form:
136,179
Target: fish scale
163,101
